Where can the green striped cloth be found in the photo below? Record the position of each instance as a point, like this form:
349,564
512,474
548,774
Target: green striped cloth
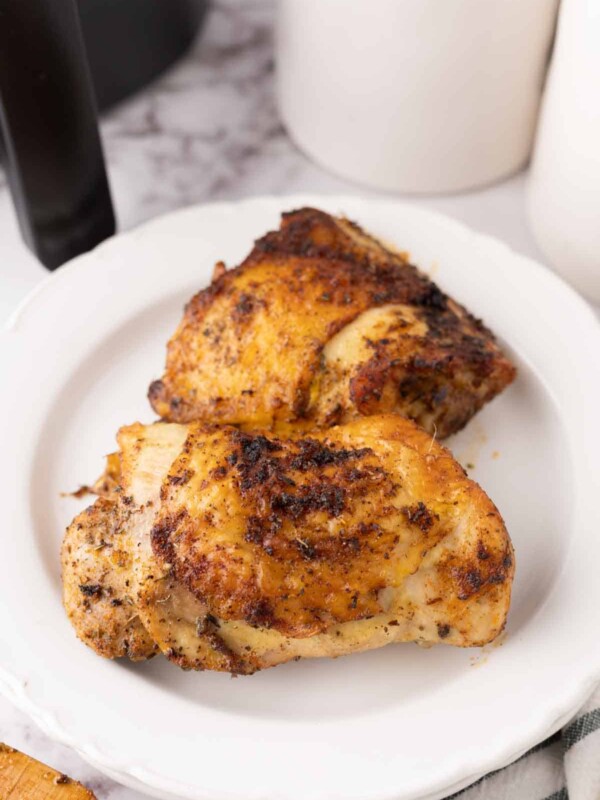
564,767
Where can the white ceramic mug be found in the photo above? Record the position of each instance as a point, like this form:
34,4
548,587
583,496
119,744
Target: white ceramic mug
414,95
564,187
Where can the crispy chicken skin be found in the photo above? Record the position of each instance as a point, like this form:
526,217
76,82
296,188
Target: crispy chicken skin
320,325
247,550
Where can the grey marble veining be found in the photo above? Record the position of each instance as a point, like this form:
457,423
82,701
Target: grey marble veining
209,128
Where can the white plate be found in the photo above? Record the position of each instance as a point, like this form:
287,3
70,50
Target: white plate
401,722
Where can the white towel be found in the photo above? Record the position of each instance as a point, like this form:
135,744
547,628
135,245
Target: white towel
564,767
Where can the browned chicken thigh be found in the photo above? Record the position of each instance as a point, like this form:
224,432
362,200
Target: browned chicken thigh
323,324
287,507
237,551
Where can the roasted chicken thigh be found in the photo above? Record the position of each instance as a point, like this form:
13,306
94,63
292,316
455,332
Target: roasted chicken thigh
323,324
236,551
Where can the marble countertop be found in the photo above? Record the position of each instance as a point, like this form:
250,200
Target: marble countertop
209,130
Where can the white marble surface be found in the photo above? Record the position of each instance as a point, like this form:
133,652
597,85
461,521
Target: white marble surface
210,130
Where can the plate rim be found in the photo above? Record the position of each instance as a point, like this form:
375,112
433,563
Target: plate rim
9,684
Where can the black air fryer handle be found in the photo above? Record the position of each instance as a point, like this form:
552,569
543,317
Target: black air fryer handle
48,120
